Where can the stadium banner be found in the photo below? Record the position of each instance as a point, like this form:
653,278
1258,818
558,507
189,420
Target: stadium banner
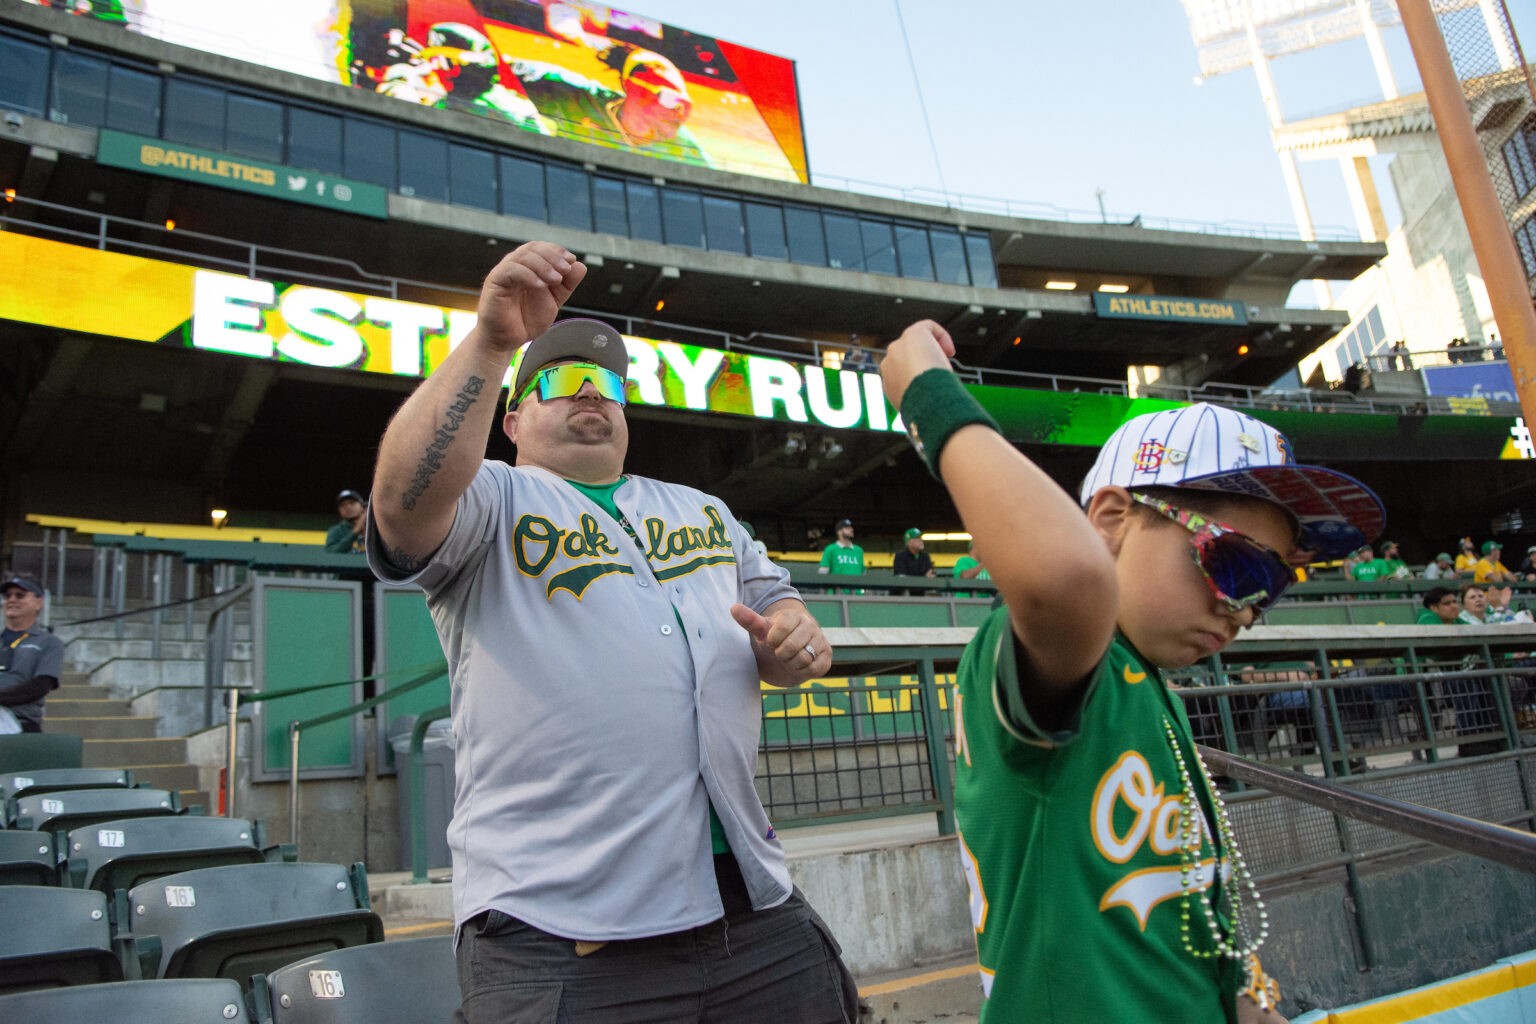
155,156
567,68
69,287
1488,381
1169,308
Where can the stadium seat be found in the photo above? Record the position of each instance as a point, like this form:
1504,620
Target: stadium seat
27,858
36,751
126,852
384,982
70,809
52,780
182,1001
244,919
54,937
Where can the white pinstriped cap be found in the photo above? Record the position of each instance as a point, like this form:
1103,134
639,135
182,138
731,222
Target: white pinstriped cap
1213,448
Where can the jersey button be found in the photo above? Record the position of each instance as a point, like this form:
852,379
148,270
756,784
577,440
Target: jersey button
666,630
642,583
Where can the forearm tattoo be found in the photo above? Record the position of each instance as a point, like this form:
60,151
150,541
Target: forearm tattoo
432,457
402,561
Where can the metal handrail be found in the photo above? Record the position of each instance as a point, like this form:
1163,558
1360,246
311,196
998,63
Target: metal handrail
1497,843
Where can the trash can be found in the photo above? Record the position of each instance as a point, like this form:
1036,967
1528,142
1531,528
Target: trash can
437,763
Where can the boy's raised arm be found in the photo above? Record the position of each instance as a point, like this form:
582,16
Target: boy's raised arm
1050,565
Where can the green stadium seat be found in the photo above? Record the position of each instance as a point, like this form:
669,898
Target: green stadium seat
54,937
182,1001
408,980
241,920
126,852
1388,613
52,780
37,751
70,809
28,858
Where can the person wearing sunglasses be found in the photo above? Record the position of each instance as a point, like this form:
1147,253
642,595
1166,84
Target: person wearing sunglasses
605,635
1105,879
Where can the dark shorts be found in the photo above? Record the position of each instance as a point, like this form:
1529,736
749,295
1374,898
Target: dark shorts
779,965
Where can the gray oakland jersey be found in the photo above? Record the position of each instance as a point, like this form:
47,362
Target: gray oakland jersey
603,697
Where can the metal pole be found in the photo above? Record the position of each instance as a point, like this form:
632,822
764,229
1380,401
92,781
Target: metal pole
42,572
938,749
58,592
229,771
1492,241
99,579
119,587
293,783
161,595
191,574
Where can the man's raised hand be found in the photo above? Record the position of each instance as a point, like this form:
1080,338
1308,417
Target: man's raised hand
524,292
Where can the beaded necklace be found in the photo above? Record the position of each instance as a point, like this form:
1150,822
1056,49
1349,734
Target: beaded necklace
1244,944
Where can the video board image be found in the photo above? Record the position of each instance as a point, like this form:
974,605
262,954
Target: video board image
564,68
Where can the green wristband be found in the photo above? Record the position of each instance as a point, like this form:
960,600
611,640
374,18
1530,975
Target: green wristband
935,406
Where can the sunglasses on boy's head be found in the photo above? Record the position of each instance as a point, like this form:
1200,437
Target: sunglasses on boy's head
1240,571
563,380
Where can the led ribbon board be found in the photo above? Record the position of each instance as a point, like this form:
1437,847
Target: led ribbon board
73,288
575,70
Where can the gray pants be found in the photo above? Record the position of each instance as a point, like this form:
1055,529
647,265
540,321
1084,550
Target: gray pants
779,965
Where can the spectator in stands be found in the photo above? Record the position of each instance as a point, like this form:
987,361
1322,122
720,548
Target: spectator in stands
1441,607
611,857
1489,569
968,568
1366,566
1466,555
347,535
1393,566
1442,568
1527,568
913,560
1482,606
31,658
843,557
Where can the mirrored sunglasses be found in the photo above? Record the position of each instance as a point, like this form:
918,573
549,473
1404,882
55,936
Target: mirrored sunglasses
1240,571
564,380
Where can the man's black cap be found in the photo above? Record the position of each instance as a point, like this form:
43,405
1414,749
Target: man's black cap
344,495
22,582
842,523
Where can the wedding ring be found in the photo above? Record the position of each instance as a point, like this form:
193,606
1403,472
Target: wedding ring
811,651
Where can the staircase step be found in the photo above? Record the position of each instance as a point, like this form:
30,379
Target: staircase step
114,727
183,777
133,753
79,691
75,679
77,707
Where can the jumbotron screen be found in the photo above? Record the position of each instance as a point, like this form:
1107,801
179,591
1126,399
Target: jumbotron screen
565,68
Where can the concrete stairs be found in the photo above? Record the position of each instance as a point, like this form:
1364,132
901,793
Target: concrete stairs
117,738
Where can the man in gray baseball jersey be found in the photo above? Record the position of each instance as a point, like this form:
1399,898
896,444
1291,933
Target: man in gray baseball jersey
31,658
605,634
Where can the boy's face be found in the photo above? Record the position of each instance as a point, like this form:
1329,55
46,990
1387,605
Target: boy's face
1448,608
1167,608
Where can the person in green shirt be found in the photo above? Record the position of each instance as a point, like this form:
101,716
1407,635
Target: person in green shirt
1393,566
1104,879
347,536
1367,566
967,567
843,557
1441,607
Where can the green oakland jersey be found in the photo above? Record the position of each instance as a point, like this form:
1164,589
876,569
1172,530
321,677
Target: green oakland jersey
1375,569
843,561
1070,845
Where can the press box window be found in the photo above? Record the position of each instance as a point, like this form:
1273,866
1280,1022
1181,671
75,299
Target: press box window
314,140
682,218
765,231
133,101
722,225
522,188
423,166
983,271
912,248
845,246
368,152
79,90
255,128
807,243
23,76
879,246
194,114
644,202
1520,159
570,197
472,177
608,206
948,257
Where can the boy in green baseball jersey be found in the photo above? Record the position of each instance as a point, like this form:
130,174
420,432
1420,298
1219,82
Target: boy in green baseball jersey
1105,881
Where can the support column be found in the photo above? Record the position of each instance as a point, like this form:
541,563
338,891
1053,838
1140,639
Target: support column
1379,61
1363,198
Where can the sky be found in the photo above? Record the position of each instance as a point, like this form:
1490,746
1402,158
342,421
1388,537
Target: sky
1043,105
